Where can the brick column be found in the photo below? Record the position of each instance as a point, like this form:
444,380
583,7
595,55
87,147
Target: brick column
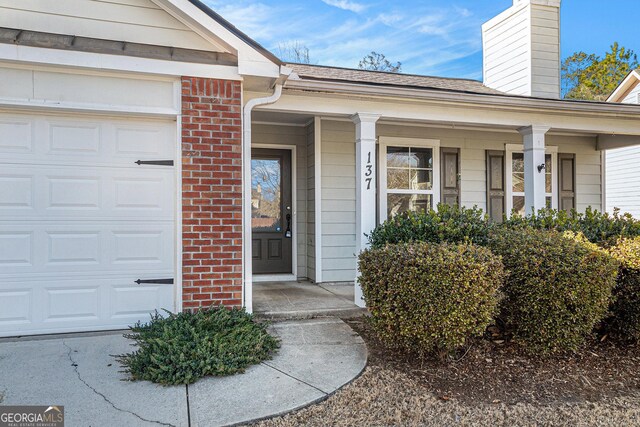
211,193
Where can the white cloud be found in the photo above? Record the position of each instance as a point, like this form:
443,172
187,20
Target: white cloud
346,5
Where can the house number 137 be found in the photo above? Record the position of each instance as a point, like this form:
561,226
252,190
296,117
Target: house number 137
368,171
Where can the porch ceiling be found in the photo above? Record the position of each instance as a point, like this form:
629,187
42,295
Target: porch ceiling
284,118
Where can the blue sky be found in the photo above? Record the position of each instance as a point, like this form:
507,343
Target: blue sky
434,37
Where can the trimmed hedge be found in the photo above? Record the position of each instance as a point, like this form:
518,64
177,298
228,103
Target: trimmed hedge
558,286
598,227
430,298
183,347
445,224
626,307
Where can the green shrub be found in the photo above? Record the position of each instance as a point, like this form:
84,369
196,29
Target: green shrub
445,224
558,286
598,227
430,298
181,348
626,307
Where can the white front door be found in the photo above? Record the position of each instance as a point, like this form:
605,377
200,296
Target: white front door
80,221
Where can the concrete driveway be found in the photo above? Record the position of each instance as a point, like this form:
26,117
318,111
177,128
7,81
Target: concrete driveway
317,357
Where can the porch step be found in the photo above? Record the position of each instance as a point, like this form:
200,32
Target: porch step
343,313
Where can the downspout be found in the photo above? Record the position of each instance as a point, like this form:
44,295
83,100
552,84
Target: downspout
247,288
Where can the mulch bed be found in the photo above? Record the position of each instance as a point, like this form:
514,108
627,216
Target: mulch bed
499,372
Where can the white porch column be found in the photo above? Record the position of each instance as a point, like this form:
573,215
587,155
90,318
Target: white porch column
534,172
365,184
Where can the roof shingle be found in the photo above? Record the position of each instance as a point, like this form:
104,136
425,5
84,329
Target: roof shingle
319,72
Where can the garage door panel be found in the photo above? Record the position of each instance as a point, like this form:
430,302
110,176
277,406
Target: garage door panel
16,135
79,141
16,307
133,303
16,190
80,221
80,247
73,139
16,249
47,306
81,192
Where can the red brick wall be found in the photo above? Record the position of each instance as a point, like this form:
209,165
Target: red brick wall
211,193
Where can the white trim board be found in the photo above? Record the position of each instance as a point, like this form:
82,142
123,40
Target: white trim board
263,278
317,176
66,58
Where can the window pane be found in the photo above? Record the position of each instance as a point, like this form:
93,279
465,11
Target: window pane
397,157
398,179
518,205
421,158
265,195
399,203
421,179
548,173
517,177
549,203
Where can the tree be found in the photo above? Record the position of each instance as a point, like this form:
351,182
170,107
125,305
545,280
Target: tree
589,77
378,62
294,52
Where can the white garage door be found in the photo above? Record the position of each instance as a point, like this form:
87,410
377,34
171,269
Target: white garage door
80,222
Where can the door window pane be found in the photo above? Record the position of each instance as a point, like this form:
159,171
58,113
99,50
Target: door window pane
399,203
266,209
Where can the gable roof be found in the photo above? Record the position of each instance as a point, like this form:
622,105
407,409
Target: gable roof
625,87
337,74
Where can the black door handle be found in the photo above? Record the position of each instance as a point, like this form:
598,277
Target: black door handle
287,233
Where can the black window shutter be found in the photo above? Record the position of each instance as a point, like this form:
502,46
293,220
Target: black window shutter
450,176
496,185
566,182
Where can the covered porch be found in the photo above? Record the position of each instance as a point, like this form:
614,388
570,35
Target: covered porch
362,154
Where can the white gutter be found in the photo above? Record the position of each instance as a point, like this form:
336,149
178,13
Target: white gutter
247,267
498,102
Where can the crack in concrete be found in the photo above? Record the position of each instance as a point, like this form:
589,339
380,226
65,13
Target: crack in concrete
297,379
106,399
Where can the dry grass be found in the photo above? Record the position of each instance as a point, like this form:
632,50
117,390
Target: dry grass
382,397
599,390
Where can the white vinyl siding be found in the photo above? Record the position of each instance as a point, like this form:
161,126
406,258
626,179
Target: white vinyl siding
521,51
291,135
338,201
623,179
623,175
138,21
506,54
545,51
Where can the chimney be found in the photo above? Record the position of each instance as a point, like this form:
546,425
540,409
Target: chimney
521,49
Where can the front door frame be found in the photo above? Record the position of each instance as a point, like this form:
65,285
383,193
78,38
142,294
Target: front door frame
294,220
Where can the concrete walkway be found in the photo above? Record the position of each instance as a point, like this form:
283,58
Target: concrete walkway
316,358
304,300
